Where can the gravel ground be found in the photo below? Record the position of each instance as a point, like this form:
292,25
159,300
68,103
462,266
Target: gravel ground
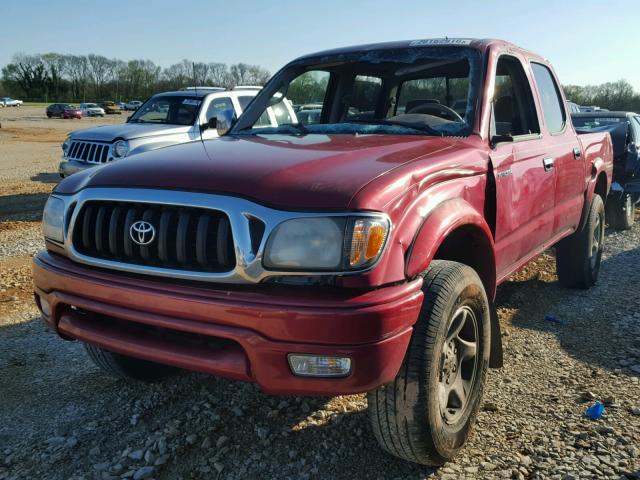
62,418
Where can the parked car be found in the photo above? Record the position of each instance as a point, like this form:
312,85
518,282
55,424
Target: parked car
352,255
624,128
92,110
110,108
165,119
573,107
121,105
308,117
63,110
10,102
132,105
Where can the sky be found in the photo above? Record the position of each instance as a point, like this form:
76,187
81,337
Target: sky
588,42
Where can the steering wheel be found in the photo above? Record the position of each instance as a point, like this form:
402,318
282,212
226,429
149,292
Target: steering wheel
444,111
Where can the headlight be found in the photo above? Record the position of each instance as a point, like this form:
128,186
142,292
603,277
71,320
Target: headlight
326,243
66,144
53,219
120,149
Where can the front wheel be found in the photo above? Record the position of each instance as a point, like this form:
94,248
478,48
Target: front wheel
122,366
578,256
425,416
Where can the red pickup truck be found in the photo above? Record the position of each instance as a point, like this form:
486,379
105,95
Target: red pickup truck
359,252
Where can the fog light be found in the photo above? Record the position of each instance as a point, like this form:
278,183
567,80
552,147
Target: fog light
44,306
319,365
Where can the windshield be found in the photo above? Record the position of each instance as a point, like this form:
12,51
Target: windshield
428,91
172,110
90,105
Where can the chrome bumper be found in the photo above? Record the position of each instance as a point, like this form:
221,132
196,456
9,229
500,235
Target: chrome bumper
69,167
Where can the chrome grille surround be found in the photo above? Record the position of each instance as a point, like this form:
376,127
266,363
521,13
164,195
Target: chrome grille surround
240,212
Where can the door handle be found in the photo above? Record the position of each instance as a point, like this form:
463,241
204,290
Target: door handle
548,163
576,153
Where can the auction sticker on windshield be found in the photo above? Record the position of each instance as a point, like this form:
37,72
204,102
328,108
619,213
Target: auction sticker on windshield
440,41
191,101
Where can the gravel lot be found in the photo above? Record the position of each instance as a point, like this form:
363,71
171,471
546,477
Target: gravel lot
62,418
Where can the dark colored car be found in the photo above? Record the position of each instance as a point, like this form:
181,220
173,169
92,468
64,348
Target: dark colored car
63,110
309,117
624,128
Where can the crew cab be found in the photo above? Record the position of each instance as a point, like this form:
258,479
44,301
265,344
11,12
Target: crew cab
358,253
164,119
624,128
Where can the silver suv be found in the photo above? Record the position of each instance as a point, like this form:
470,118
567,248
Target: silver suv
164,119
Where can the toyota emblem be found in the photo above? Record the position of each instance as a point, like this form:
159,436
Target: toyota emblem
142,232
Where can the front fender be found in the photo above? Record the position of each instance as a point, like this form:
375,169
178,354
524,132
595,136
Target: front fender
445,218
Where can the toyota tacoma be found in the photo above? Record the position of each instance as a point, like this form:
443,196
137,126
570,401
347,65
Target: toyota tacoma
357,253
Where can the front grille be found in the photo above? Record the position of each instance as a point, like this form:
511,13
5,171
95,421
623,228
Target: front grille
194,239
91,152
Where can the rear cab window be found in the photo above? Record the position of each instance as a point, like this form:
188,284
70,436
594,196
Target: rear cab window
365,93
550,97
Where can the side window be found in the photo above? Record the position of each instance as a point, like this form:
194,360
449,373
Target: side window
636,130
514,111
263,121
364,98
306,91
554,114
218,105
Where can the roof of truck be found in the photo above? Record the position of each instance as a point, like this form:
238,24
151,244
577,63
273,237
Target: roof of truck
201,93
476,43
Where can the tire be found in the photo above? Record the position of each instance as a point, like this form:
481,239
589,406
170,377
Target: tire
122,366
621,212
578,256
409,416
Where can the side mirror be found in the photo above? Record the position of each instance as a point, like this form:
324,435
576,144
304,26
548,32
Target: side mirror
496,139
211,124
223,121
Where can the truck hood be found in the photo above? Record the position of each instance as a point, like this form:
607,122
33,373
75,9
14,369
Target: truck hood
312,171
127,131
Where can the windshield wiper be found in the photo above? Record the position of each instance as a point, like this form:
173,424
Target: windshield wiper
394,123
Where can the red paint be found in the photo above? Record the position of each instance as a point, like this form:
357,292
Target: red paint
430,187
372,327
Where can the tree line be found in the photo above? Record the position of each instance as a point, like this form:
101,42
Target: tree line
618,95
55,77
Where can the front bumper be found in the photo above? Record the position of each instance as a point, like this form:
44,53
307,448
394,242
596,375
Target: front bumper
69,167
243,333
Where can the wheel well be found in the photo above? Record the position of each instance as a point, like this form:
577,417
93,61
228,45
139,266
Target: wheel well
469,245
601,186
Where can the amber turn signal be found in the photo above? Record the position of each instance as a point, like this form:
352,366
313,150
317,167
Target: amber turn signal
367,241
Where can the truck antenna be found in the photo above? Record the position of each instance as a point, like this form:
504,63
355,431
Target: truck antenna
195,87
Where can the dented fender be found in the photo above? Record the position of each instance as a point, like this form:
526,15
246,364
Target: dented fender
444,219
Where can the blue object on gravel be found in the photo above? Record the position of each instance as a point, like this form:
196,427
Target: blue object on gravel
595,411
550,317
